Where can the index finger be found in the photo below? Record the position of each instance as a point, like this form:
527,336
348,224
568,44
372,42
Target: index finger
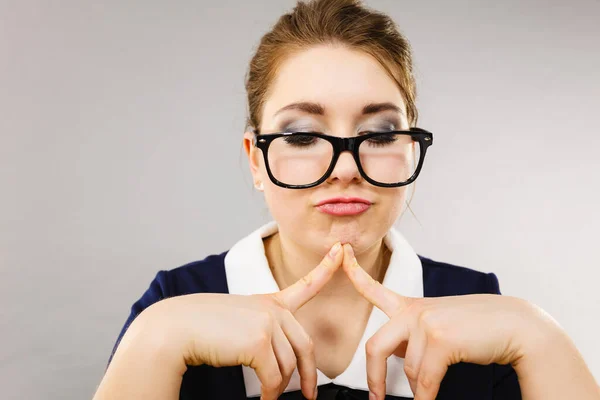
381,297
296,295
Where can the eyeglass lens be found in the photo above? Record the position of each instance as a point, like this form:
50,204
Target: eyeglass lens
304,159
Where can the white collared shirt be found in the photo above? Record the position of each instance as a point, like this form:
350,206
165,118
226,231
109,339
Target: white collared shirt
247,271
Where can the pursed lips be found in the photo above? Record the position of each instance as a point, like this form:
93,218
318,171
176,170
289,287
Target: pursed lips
344,206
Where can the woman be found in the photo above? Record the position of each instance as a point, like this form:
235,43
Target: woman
329,296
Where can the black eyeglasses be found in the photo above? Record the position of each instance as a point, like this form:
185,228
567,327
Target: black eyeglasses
299,160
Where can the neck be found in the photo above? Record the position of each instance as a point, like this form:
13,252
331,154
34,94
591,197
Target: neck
289,262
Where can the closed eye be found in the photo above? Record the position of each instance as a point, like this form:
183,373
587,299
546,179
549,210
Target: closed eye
382,140
299,140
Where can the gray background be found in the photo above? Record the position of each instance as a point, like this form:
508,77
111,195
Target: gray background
121,125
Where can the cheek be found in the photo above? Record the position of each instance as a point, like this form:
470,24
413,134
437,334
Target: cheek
392,202
285,204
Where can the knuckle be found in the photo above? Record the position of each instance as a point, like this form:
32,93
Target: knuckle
413,308
373,384
267,301
261,340
307,279
273,384
428,323
265,319
425,380
372,348
310,345
372,284
435,335
361,290
260,302
425,317
289,367
422,312
410,371
277,301
306,349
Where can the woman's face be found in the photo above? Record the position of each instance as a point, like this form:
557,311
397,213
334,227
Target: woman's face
342,82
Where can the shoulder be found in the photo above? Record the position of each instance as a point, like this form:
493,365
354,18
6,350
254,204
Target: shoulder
201,276
444,279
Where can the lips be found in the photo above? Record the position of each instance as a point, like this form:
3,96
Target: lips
343,206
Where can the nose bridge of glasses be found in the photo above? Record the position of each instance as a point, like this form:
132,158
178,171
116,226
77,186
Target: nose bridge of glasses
345,144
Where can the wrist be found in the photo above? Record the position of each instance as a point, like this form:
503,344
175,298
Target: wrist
151,335
537,339
537,332
549,365
143,367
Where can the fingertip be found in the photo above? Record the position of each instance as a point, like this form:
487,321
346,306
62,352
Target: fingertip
345,252
337,258
348,256
350,250
335,249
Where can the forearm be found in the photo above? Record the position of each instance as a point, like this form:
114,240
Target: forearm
551,367
143,367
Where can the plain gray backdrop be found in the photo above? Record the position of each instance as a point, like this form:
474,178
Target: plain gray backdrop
120,154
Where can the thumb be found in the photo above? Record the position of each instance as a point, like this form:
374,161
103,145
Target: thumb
296,295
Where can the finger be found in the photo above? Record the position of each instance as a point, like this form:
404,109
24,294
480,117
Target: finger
414,357
267,370
380,296
304,351
432,371
306,288
286,359
378,348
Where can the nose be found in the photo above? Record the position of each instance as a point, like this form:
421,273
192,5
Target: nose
345,169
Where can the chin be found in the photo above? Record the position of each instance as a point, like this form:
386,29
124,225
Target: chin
356,235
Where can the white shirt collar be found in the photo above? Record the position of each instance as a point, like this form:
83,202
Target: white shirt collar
248,272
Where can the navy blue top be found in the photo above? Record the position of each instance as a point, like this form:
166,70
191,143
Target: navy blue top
462,380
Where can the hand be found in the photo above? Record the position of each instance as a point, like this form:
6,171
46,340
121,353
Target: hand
435,332
258,331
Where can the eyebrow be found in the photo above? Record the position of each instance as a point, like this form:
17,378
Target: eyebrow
374,108
318,109
308,107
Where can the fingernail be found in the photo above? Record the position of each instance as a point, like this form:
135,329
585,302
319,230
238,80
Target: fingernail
372,396
350,250
335,249
354,263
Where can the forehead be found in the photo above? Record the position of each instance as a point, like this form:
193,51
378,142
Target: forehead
341,79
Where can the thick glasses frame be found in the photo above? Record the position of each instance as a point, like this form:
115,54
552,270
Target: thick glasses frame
341,144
